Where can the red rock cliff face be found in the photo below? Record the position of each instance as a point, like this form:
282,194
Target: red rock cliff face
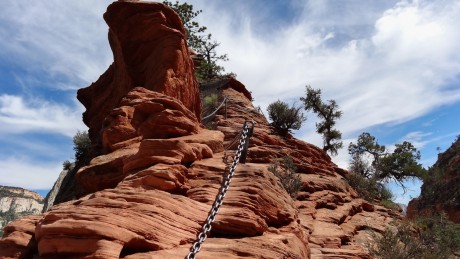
160,170
441,192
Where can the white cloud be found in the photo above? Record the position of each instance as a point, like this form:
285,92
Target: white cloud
18,116
417,138
22,172
398,70
59,38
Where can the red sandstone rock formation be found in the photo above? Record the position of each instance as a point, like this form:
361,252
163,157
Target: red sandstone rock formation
149,50
159,170
441,193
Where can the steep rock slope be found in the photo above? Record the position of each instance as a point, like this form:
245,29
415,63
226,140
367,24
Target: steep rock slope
440,191
158,169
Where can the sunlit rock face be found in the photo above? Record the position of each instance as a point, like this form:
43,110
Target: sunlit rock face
159,169
150,51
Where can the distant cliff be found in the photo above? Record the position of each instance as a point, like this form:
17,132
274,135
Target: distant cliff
440,190
16,202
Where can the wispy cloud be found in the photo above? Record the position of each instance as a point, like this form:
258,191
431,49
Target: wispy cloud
25,173
18,116
66,40
396,65
418,138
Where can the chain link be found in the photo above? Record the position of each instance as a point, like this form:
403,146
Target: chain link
201,237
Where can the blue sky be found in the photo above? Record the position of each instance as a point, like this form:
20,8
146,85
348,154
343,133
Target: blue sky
392,66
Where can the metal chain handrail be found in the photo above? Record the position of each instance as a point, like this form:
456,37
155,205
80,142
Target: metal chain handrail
201,237
215,111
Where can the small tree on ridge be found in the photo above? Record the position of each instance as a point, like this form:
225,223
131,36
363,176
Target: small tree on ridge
199,41
398,165
328,113
285,118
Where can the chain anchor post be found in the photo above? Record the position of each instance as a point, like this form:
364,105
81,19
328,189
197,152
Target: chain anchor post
244,152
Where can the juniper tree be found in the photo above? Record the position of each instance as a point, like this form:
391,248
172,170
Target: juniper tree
199,41
192,28
328,113
285,118
82,147
398,165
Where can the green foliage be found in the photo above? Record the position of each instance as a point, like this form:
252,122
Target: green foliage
286,171
66,165
82,147
358,165
4,192
210,103
402,163
201,42
285,118
389,204
396,243
208,68
399,165
439,235
433,237
187,15
328,113
369,188
367,144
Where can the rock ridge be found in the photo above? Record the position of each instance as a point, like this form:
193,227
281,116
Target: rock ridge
158,169
440,193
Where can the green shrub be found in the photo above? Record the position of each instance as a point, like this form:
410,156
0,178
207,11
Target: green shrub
82,147
286,171
440,236
285,118
210,103
389,204
432,237
396,243
66,165
368,188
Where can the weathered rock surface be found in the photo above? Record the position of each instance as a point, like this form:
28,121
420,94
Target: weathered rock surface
159,170
18,238
20,204
65,188
441,192
149,49
19,200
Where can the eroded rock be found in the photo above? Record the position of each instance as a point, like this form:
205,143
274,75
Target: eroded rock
150,187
